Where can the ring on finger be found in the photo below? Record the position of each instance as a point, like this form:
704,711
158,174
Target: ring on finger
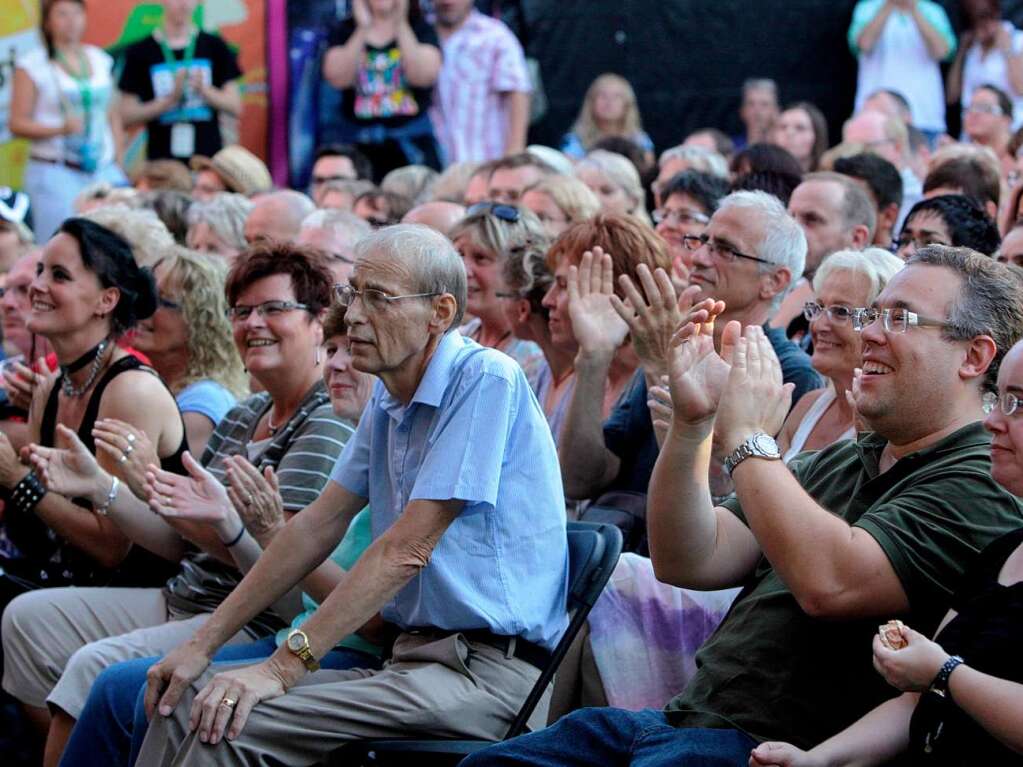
229,702
128,450
131,438
248,499
123,458
167,500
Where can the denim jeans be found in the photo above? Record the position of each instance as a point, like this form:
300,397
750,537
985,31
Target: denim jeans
113,723
613,736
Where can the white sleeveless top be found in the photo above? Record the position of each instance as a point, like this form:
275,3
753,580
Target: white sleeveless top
813,415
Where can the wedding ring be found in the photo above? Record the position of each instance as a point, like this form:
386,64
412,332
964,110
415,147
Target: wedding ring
123,458
248,499
229,702
131,438
128,450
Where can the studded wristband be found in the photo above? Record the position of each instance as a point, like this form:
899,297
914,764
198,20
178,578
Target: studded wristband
940,684
26,495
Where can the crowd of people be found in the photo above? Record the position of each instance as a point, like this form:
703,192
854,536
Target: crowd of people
282,469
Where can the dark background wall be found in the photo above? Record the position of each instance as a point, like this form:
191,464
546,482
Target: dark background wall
686,59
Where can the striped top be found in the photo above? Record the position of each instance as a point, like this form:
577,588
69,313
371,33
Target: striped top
302,453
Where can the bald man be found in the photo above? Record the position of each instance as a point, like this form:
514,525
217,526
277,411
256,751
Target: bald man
277,216
439,215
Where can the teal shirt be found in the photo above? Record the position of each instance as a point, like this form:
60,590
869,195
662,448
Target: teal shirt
935,15
356,540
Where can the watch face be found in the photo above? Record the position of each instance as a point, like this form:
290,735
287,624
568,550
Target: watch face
296,642
766,446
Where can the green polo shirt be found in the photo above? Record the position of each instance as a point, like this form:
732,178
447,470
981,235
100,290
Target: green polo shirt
778,674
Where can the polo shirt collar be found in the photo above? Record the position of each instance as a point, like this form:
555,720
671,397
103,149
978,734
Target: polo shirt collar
870,445
434,381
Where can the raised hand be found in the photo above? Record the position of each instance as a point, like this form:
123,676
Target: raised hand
756,399
256,497
598,328
199,496
129,449
912,668
697,374
22,383
653,316
69,469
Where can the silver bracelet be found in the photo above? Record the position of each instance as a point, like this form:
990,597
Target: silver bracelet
104,509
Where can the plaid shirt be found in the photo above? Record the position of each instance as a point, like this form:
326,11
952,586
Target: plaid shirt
483,60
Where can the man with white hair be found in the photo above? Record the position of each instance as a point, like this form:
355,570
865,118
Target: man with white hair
748,257
336,233
277,216
454,456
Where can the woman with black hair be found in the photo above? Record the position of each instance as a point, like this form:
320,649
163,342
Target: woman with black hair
87,292
948,219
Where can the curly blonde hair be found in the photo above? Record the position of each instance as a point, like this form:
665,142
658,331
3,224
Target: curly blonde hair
211,351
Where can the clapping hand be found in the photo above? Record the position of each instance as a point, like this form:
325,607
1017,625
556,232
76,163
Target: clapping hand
22,383
69,469
256,497
653,316
129,449
913,667
756,399
597,327
198,496
11,468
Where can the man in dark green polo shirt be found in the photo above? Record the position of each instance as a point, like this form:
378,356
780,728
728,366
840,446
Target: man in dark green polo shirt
829,547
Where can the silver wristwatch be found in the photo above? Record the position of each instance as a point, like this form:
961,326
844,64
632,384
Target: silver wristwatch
760,445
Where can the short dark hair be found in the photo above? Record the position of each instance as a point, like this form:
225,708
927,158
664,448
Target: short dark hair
363,167
968,223
311,279
702,187
109,256
334,321
880,176
989,302
765,157
1004,102
778,183
976,180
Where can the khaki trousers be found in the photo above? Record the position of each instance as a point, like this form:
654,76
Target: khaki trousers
447,687
57,641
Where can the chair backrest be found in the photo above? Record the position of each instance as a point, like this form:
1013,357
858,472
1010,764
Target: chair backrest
593,550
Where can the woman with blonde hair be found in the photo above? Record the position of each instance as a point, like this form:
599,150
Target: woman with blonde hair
188,339
609,109
615,181
559,202
484,238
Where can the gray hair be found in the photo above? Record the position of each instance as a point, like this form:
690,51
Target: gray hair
698,158
876,264
140,227
989,301
225,214
343,224
760,84
621,172
432,260
412,181
784,244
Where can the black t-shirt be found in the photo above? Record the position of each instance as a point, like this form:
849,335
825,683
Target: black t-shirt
146,74
381,93
987,633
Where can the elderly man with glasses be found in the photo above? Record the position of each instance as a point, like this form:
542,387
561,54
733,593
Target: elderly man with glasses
456,460
827,548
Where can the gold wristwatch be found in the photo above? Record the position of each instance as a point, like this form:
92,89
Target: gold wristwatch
298,644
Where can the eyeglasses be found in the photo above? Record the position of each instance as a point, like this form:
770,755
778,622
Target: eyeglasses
499,210
343,258
905,240
897,320
268,310
720,251
984,109
374,300
837,313
681,217
1008,403
166,303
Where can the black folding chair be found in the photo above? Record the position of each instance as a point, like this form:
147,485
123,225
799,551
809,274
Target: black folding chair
593,551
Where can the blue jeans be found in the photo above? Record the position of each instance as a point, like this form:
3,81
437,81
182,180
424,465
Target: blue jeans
614,736
113,723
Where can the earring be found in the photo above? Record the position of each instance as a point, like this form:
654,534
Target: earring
317,355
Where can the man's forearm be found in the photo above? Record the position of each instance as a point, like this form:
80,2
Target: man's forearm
226,99
586,463
518,121
135,112
295,552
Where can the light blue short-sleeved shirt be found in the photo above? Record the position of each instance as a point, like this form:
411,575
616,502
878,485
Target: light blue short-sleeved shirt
208,397
473,432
